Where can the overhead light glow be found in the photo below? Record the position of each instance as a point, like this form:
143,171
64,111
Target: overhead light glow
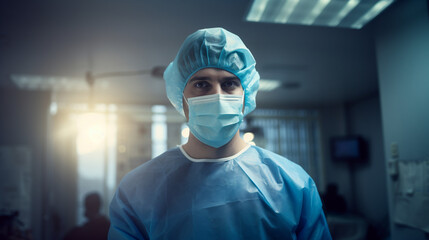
286,11
351,4
315,12
258,8
374,11
268,85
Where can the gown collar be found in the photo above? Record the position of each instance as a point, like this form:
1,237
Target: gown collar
214,159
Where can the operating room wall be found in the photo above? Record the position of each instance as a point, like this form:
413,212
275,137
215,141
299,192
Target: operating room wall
369,185
402,47
364,189
363,186
23,122
333,123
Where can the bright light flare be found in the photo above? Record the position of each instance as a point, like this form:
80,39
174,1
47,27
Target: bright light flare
92,130
185,132
248,137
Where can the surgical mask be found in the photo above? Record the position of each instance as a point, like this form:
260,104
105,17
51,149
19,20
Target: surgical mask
215,119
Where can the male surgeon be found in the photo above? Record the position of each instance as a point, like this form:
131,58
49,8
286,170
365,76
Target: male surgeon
216,186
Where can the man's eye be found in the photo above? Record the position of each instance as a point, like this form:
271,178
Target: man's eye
200,84
231,84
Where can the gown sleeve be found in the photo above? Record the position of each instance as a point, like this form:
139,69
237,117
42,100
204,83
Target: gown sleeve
313,223
124,223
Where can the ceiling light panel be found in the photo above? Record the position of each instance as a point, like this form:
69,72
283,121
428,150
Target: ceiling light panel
332,13
37,83
268,84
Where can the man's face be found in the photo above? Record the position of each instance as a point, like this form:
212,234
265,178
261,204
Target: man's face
210,81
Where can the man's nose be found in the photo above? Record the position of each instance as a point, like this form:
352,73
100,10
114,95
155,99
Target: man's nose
216,89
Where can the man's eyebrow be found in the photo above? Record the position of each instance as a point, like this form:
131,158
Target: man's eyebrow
199,78
231,78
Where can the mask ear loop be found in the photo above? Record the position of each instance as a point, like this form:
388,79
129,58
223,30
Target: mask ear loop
186,100
183,107
244,103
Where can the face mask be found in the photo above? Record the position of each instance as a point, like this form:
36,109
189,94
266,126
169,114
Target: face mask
215,119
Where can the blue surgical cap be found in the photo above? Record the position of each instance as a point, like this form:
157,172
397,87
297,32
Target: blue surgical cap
212,48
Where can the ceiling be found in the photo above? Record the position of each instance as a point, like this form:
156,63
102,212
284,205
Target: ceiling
318,66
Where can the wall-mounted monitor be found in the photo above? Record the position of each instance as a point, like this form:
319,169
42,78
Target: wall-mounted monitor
349,149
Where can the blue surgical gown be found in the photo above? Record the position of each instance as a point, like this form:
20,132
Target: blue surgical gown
255,194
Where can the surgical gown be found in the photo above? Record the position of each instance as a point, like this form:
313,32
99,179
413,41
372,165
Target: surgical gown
255,194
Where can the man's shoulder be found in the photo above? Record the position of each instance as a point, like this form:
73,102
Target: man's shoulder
287,168
268,156
153,167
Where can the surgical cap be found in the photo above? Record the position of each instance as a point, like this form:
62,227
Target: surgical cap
212,48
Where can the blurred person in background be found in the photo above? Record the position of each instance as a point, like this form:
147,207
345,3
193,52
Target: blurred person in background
97,226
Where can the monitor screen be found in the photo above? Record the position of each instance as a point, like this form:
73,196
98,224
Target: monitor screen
348,148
